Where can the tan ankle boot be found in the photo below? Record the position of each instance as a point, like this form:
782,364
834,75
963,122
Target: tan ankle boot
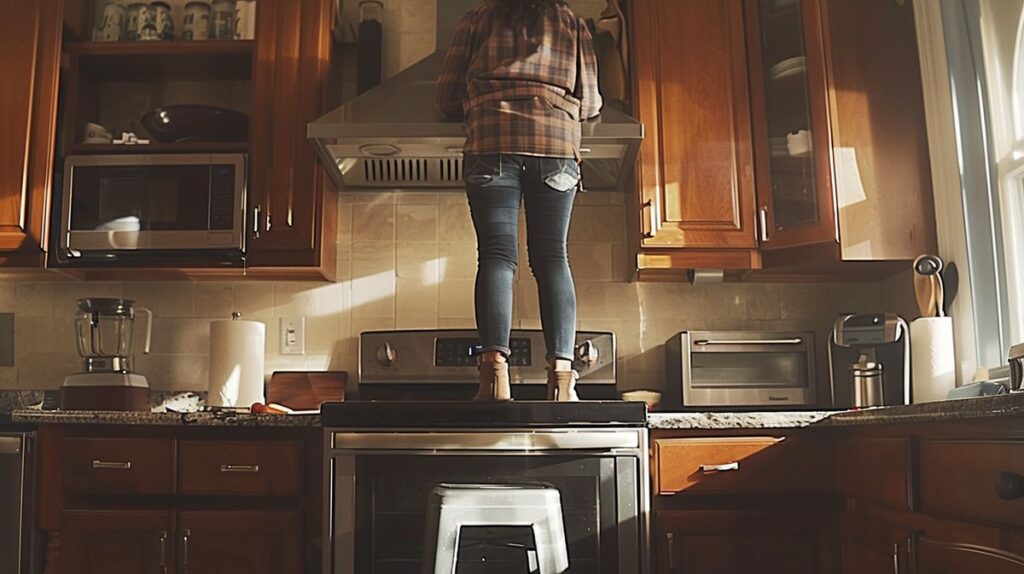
562,385
494,382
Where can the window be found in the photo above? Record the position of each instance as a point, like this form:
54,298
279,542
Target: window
985,49
1002,34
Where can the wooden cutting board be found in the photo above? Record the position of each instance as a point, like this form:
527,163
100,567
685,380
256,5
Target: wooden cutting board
306,390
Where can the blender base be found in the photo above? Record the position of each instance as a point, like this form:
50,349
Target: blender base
105,392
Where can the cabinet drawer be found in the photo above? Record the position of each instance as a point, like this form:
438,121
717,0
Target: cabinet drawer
959,478
876,470
740,464
273,468
118,466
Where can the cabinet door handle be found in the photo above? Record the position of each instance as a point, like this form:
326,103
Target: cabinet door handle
256,221
653,218
669,541
1009,485
250,468
112,465
163,551
185,534
713,468
896,558
762,215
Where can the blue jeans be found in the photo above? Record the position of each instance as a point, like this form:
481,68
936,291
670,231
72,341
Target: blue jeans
496,186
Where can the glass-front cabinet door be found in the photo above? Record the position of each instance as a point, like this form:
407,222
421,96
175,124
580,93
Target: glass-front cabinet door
791,129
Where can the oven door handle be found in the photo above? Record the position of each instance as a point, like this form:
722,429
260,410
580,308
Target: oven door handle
485,441
708,342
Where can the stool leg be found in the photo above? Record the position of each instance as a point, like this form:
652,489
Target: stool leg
447,550
532,565
552,552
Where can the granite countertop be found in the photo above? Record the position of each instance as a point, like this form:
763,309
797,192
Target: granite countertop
203,418
1011,405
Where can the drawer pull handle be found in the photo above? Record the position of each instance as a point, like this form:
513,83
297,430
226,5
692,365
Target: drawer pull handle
249,468
113,465
713,468
1009,485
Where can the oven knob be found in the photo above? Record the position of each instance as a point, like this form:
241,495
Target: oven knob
587,353
386,355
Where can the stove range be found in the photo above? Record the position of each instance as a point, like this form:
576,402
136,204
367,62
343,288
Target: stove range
440,365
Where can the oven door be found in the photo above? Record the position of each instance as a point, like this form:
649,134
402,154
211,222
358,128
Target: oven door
153,202
379,501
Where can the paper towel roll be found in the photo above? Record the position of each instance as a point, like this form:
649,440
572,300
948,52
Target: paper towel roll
933,368
236,363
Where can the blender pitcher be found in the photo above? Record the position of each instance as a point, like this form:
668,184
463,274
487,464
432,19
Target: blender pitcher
105,333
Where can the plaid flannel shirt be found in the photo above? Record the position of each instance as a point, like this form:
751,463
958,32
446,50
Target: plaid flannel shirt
519,91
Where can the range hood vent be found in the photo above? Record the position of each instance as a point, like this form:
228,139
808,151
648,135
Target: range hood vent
406,172
393,138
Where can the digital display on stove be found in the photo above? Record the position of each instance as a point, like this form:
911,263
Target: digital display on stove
462,352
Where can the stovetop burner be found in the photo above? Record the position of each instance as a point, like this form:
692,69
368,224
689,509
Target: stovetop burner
479,415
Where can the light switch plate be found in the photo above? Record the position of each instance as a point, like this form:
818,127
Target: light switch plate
293,335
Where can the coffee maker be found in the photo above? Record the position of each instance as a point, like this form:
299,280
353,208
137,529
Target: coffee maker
869,360
105,332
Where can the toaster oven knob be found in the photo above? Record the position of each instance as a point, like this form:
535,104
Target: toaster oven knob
386,355
587,353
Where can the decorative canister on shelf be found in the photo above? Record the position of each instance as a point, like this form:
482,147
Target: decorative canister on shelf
223,19
162,20
197,21
245,19
147,23
112,23
133,27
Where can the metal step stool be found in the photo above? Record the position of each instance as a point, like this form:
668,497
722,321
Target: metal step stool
452,506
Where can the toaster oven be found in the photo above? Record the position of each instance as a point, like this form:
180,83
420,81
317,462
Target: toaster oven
741,369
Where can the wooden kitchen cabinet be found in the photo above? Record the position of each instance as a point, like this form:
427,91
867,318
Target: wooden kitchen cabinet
873,547
842,76
104,541
696,166
934,556
811,163
30,61
292,210
188,499
218,542
741,542
278,79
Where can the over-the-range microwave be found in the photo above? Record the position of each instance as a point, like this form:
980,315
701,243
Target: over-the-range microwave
741,370
127,206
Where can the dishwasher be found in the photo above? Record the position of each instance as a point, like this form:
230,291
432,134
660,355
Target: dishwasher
18,548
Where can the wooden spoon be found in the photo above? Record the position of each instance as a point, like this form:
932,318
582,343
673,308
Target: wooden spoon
923,292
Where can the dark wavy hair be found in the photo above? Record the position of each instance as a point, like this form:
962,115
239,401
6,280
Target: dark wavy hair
525,13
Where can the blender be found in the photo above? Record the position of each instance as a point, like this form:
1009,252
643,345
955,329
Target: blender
105,332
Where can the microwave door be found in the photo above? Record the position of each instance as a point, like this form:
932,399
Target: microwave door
130,203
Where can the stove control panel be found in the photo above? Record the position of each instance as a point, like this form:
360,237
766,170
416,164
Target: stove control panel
462,352
450,356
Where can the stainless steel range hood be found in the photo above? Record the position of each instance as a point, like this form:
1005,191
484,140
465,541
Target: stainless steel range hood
393,138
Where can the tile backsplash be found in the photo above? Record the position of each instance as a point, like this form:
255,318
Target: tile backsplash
407,261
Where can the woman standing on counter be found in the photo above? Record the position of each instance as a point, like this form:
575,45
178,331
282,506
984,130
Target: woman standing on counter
522,74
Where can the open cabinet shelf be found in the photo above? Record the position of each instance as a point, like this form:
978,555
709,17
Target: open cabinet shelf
184,60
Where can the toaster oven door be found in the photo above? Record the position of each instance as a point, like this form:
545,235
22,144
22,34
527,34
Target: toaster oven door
748,369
